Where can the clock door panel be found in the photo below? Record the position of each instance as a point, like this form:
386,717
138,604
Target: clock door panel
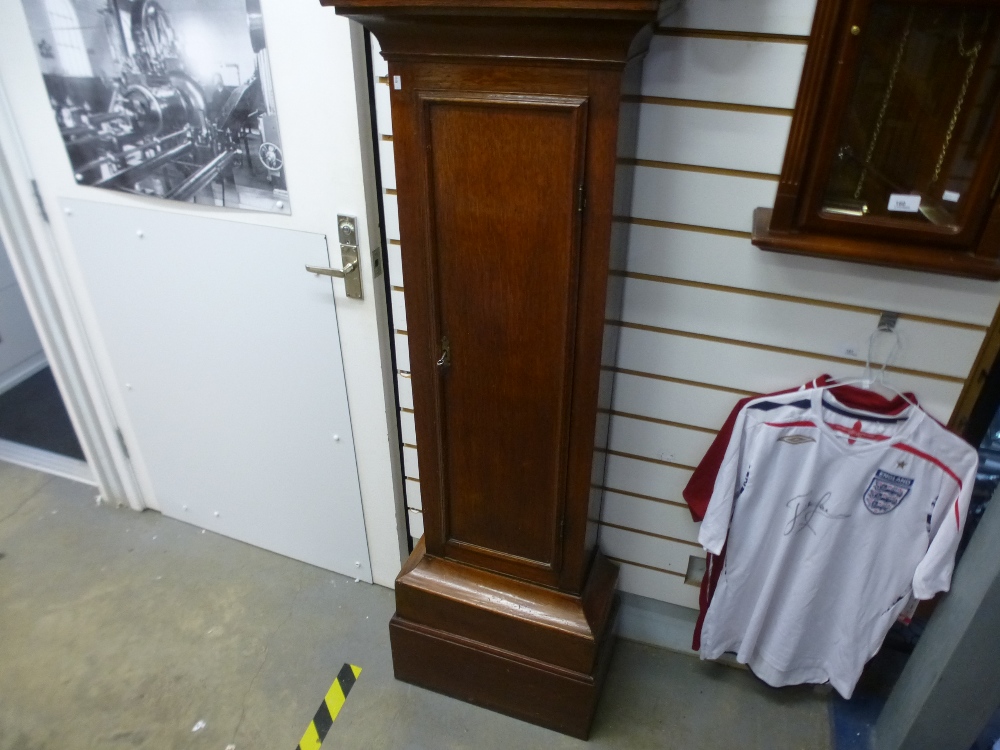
504,175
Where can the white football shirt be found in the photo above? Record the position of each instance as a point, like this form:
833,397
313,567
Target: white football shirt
833,519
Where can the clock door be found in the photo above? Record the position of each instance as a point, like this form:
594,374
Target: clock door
504,184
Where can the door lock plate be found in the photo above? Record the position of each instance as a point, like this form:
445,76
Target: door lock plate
347,233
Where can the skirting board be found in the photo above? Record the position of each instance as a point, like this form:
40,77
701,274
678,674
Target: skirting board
656,623
47,462
661,624
22,371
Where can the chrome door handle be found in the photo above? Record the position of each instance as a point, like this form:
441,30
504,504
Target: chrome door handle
347,233
338,273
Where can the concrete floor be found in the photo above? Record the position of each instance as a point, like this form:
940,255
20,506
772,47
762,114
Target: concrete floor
122,630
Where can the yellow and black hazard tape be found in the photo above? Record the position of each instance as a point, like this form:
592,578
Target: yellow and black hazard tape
327,712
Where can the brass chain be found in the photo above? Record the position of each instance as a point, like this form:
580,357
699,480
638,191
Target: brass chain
973,57
885,104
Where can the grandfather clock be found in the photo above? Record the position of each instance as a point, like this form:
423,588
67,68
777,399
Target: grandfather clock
509,129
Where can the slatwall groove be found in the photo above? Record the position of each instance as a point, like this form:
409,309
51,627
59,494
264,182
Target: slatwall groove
623,561
646,478
626,493
769,324
745,142
413,494
672,521
671,101
783,350
753,368
792,326
723,171
800,300
676,446
661,224
666,378
707,317
685,404
735,36
646,418
699,198
670,555
728,259
648,459
609,525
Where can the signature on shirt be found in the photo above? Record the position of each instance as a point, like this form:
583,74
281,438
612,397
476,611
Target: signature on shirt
804,510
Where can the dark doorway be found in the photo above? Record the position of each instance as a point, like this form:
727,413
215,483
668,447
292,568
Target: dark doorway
32,413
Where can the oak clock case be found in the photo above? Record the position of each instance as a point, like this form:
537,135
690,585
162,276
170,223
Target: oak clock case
894,151
507,121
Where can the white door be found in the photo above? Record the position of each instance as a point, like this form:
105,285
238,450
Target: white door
234,380
250,394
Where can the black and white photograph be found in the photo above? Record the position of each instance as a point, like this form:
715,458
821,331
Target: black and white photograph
165,98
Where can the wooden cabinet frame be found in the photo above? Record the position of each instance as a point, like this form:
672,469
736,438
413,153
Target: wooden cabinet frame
508,122
797,225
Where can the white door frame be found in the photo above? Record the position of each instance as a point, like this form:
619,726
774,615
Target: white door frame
38,267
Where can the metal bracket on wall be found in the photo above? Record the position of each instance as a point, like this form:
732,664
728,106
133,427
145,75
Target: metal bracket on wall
347,234
887,321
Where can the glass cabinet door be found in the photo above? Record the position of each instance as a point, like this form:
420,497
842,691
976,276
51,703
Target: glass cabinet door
918,120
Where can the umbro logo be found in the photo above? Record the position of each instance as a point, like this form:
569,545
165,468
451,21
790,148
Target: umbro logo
796,439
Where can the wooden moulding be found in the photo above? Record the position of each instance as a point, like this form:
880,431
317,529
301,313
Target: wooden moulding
893,254
531,653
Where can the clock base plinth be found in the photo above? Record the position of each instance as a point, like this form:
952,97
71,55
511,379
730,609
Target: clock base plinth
524,650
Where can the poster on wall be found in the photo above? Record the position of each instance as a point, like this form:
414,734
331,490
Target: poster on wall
164,98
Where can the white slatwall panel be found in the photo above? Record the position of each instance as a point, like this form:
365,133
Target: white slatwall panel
768,16
635,476
402,352
712,137
408,431
395,264
763,74
410,463
416,519
398,310
660,442
630,545
387,163
752,369
733,261
413,494
684,403
705,200
729,319
405,390
665,519
391,216
655,584
926,347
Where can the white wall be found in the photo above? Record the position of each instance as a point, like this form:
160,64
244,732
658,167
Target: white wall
21,354
707,317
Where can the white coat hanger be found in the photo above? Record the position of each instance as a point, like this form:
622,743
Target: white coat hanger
886,324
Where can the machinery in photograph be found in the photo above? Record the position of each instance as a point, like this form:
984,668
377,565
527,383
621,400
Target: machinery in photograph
135,117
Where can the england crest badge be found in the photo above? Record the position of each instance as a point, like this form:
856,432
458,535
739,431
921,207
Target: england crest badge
886,491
